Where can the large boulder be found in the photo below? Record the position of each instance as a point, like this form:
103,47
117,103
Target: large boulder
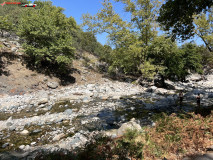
159,81
195,77
53,85
131,125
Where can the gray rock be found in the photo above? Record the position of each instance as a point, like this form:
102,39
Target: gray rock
49,107
12,128
33,143
207,156
128,126
9,124
68,111
58,137
161,91
116,97
14,49
27,147
24,132
86,100
5,145
22,147
36,131
195,77
53,85
102,66
210,95
42,101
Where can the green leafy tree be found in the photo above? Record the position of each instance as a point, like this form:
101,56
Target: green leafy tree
105,53
12,12
88,41
47,39
204,28
175,63
176,16
129,38
5,25
207,57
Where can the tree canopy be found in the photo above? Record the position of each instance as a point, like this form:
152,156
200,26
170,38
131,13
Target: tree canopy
176,16
47,39
138,50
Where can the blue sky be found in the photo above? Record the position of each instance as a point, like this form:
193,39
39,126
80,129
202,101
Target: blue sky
76,8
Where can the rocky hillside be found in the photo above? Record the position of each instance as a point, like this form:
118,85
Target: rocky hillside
17,78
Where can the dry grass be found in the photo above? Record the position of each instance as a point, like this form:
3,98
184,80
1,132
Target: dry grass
174,137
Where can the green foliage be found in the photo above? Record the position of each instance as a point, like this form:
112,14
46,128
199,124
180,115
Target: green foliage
47,39
13,12
175,62
143,17
176,16
148,70
207,57
129,146
131,40
5,25
191,57
204,28
88,41
105,53
127,58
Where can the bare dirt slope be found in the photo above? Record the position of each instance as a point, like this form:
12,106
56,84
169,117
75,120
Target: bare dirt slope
16,78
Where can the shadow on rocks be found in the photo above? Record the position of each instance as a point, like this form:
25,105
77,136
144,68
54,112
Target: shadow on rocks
39,155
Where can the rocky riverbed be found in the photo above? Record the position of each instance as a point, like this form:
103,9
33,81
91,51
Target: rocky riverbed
67,118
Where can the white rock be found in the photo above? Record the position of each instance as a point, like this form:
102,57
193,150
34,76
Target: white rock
27,147
22,147
116,97
128,126
58,137
33,143
24,132
43,101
